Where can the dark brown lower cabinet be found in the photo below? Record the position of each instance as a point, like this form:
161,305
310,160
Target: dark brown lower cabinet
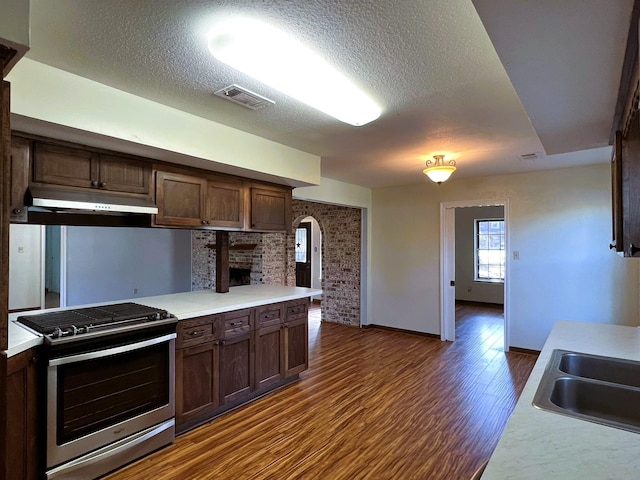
197,381
269,356
237,356
228,359
296,341
23,454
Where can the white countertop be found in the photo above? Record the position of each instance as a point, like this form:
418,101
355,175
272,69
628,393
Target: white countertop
538,444
182,305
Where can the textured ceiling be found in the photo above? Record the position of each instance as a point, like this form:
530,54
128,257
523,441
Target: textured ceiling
431,66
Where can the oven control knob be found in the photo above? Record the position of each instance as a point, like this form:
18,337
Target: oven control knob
57,332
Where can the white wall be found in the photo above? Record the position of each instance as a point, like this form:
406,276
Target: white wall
559,222
107,264
44,93
25,266
467,288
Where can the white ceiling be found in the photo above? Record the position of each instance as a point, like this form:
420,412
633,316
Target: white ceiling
431,65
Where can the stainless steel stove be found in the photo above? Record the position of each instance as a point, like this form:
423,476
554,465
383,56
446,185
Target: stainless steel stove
110,386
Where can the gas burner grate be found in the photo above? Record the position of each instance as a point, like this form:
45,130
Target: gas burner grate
102,316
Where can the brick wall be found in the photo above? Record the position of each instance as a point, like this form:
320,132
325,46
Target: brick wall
341,245
272,261
266,259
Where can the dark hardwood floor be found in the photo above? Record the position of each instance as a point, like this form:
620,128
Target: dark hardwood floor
374,404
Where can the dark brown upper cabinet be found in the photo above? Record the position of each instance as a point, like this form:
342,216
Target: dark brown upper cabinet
79,167
628,191
220,202
20,152
180,200
625,159
270,209
225,203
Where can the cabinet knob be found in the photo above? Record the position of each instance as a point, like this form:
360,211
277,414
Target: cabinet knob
94,183
204,222
612,246
102,184
17,211
633,249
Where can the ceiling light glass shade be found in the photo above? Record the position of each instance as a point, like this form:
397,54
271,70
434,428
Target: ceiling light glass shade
439,172
278,60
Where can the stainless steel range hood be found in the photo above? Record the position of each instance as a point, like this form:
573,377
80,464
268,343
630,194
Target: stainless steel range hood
61,200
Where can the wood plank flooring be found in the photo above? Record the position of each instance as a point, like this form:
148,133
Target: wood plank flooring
374,404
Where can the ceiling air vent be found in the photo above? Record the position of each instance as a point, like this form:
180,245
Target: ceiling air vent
244,97
531,156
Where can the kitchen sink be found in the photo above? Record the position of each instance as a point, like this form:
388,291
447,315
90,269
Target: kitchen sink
607,369
603,390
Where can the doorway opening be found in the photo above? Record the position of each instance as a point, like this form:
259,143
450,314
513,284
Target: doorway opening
308,251
474,269
308,256
55,261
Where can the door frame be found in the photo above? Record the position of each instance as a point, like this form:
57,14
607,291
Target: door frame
448,264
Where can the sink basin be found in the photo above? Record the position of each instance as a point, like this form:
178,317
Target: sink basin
598,389
615,370
608,403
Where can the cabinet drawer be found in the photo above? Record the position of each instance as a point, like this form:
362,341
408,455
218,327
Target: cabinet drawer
238,323
297,310
235,327
197,331
269,315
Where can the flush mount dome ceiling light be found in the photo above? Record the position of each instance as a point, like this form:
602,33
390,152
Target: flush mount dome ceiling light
278,60
438,171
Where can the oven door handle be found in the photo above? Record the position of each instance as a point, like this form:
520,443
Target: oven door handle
81,357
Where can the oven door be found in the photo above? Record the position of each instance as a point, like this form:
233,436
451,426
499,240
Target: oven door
102,396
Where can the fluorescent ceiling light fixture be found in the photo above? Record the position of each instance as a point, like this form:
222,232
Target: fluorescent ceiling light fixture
278,60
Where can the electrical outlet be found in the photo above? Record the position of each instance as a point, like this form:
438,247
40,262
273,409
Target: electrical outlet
516,255
135,291
20,249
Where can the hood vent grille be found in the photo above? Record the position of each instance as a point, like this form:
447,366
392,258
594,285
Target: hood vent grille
244,97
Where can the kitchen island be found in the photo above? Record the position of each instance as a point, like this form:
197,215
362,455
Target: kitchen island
183,305
539,444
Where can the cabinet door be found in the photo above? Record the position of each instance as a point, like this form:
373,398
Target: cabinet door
237,377
269,356
270,209
296,337
296,356
120,174
24,458
60,165
197,382
631,189
616,193
225,204
180,200
20,150
269,339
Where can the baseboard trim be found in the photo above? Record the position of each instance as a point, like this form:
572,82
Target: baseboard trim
526,351
472,303
402,330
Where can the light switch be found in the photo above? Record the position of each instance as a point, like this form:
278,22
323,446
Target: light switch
516,255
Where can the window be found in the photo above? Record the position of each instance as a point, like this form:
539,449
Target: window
490,254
